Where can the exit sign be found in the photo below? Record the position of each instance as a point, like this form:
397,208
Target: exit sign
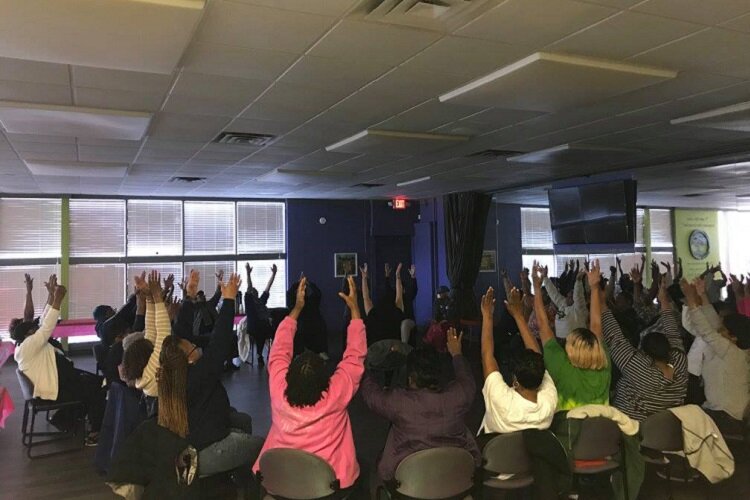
399,204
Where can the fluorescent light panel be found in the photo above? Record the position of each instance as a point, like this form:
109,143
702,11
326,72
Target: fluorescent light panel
413,181
77,169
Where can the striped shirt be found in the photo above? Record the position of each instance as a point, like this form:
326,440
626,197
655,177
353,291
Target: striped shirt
158,328
643,389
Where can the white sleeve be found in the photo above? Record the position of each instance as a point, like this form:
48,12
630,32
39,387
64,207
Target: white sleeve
39,338
496,393
695,357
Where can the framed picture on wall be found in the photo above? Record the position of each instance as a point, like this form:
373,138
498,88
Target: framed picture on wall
345,264
489,262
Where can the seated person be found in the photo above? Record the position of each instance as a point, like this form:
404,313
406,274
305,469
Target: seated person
110,323
194,403
580,370
256,309
205,313
655,377
425,414
726,355
141,359
531,402
383,320
309,407
113,357
53,375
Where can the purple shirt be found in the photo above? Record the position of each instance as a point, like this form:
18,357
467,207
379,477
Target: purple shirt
422,418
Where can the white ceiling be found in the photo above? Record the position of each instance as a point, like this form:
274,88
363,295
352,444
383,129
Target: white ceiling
314,72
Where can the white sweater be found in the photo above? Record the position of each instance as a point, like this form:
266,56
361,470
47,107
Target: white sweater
36,357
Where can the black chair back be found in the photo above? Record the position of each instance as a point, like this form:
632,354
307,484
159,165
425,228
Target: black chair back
599,438
27,387
296,474
506,454
435,474
662,432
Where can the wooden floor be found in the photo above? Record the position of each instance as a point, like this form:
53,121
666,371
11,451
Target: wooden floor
72,476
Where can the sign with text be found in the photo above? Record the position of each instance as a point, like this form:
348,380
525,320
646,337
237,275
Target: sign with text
696,239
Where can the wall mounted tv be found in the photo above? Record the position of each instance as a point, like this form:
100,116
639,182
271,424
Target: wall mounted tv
600,215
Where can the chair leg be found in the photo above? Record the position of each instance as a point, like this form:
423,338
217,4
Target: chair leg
25,423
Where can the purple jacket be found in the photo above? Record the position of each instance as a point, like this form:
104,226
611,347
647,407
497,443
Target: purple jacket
422,419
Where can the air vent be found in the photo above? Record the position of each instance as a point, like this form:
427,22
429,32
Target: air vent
244,139
494,153
187,180
427,14
368,185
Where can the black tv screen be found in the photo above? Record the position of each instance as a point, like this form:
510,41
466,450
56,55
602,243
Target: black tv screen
602,213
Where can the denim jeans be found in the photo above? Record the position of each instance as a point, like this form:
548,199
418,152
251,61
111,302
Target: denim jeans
237,449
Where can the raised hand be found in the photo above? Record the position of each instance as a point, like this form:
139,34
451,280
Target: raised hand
413,271
667,266
663,295
59,295
192,285
229,289
219,276
514,304
299,302
545,271
51,284
453,342
488,303
536,277
169,282
700,286
351,298
586,265
274,269
363,271
29,281
398,271
636,276
594,275
387,270
248,268
154,286
140,283
691,293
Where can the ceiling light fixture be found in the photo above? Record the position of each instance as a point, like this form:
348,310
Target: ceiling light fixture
413,181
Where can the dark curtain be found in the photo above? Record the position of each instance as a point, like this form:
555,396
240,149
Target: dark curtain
465,223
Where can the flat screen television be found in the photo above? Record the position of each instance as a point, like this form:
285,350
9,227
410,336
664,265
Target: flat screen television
600,214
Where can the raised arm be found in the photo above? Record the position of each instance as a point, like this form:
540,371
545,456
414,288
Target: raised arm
249,274
183,326
668,318
39,338
345,380
515,307
554,293
579,294
365,289
411,289
213,302
609,290
142,287
28,307
222,337
507,283
147,382
282,348
545,330
701,327
595,315
399,289
489,363
274,270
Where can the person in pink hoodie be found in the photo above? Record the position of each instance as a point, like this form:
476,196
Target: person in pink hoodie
309,407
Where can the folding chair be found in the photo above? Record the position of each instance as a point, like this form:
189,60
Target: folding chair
599,440
506,454
437,473
289,474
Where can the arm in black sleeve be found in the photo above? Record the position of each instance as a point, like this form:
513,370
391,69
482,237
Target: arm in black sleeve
117,324
214,300
183,326
139,324
222,340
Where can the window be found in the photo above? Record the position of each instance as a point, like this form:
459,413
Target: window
13,292
536,230
208,272
164,268
734,241
97,228
93,284
154,227
209,228
29,228
261,274
261,227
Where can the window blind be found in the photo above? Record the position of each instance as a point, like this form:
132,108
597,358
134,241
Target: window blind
29,228
640,239
13,292
261,274
661,228
536,230
154,227
97,228
165,268
94,284
208,272
261,227
209,228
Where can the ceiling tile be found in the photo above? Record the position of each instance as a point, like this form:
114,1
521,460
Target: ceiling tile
242,25
20,70
534,23
624,35
427,116
741,23
697,11
186,127
334,74
35,92
324,7
218,87
215,59
107,154
288,102
113,79
118,99
351,40
270,127
618,4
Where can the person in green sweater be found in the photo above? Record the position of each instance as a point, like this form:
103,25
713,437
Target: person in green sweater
581,370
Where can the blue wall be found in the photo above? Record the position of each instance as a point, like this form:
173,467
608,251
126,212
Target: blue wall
351,226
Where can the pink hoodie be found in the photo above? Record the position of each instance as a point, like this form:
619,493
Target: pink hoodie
323,429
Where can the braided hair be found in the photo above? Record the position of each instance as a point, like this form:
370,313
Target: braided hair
306,380
172,385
